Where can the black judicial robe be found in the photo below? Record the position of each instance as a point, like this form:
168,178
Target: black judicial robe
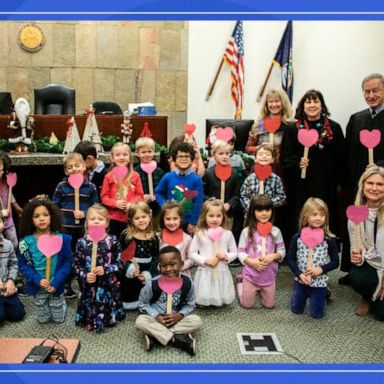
356,153
325,172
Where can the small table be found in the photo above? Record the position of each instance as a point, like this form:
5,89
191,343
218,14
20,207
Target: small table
14,350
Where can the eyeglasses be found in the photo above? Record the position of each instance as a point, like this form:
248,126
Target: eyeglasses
180,157
375,91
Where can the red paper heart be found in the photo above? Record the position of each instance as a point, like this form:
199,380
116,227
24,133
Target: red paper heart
96,233
172,238
225,134
120,172
170,284
148,167
49,245
307,137
11,179
223,172
189,129
262,171
357,213
76,180
311,237
264,228
190,194
272,124
215,233
370,139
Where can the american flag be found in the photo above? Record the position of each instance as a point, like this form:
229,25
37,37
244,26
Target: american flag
234,57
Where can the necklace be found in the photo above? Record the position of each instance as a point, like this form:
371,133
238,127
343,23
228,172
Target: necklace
324,129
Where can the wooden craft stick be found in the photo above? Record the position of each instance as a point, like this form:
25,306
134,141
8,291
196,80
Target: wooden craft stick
261,189
304,170
48,269
77,203
263,246
370,156
94,256
271,138
310,261
150,184
222,190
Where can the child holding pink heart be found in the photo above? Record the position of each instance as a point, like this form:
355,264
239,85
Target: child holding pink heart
212,248
311,255
42,218
118,192
273,186
100,302
140,253
147,168
171,216
260,270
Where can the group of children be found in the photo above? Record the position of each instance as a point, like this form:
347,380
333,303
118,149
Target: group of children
195,230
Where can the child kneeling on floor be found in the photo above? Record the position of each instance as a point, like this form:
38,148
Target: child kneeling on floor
168,328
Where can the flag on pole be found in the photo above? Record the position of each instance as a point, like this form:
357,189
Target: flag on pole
234,57
283,59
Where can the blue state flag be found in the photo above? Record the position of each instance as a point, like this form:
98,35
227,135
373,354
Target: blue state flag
283,59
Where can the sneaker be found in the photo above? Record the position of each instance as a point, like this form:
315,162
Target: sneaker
148,342
345,280
69,293
235,263
185,342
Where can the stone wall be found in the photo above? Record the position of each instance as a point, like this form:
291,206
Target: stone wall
125,62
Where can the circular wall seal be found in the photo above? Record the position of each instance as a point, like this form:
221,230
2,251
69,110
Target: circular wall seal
31,38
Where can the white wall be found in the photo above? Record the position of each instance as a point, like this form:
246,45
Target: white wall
331,56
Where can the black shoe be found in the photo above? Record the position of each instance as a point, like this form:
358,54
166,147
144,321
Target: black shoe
185,342
21,289
69,293
345,280
148,342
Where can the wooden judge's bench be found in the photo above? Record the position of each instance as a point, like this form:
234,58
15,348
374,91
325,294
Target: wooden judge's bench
40,173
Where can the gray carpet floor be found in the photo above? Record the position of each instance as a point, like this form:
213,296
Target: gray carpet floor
340,337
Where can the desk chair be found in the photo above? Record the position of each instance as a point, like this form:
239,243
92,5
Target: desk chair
55,99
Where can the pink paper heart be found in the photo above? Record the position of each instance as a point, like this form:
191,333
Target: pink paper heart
149,168
311,237
120,172
11,179
170,284
49,245
370,139
357,213
225,134
307,137
96,233
190,194
189,129
76,180
215,233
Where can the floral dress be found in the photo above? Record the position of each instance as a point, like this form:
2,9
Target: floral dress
100,303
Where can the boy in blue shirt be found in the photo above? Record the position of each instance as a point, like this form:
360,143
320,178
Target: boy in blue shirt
184,186
173,328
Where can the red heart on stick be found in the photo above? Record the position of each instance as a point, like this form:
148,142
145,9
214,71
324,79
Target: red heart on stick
264,228
370,139
262,171
190,194
311,237
96,233
189,129
225,134
120,172
172,238
272,124
307,137
49,245
223,172
357,213
76,180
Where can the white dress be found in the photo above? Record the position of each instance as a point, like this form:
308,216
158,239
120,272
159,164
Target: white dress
213,286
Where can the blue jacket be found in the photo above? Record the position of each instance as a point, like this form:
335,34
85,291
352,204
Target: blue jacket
28,253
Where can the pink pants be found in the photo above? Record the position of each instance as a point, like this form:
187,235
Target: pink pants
249,292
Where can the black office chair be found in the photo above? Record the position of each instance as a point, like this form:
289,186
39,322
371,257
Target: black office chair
6,104
55,99
106,108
